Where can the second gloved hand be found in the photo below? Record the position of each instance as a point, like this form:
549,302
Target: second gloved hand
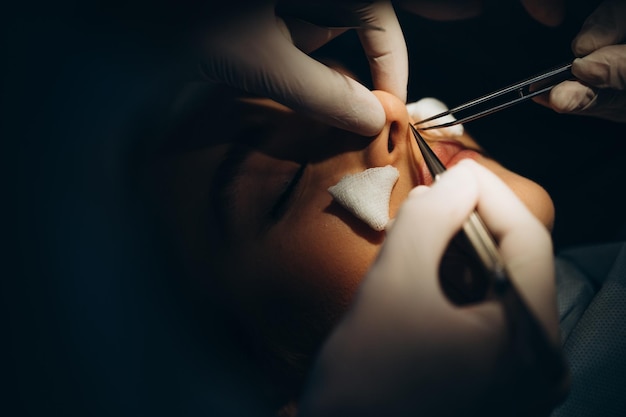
600,68
253,49
404,348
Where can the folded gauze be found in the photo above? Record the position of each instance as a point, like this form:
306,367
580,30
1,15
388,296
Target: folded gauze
366,194
427,107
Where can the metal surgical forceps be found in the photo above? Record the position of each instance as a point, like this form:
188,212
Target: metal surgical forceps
541,362
511,95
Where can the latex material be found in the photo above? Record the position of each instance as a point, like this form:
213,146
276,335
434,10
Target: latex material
403,348
600,67
258,52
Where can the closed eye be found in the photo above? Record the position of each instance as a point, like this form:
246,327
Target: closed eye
282,204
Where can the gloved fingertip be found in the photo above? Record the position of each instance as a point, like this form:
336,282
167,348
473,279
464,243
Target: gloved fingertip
579,67
570,97
365,117
371,120
457,177
591,38
463,165
419,190
373,127
595,70
403,94
468,162
581,46
562,103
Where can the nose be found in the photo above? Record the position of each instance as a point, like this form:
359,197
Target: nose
391,142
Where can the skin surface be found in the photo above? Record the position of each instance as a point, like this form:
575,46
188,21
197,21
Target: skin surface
287,279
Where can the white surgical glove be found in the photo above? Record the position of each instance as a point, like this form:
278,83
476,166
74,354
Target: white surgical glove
403,348
254,50
600,68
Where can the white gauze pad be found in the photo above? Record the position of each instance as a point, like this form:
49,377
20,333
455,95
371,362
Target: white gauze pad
428,107
367,194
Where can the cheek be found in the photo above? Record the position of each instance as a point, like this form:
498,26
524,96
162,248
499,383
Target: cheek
328,257
305,279
400,192
316,264
535,197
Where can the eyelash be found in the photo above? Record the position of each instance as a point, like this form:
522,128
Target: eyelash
281,205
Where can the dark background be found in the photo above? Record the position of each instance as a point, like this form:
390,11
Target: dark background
90,325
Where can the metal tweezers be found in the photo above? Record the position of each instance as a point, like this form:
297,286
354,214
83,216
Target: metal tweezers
529,339
480,238
511,95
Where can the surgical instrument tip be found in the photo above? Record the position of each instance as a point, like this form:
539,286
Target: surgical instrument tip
434,164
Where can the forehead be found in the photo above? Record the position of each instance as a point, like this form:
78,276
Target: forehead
205,115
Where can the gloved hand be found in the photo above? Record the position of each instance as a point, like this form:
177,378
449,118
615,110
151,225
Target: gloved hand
403,348
254,50
600,68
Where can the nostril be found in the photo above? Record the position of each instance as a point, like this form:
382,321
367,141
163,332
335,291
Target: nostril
390,144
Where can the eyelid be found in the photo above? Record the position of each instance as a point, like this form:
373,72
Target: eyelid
286,197
223,184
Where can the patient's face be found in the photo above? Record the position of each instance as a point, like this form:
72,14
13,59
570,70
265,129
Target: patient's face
251,202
